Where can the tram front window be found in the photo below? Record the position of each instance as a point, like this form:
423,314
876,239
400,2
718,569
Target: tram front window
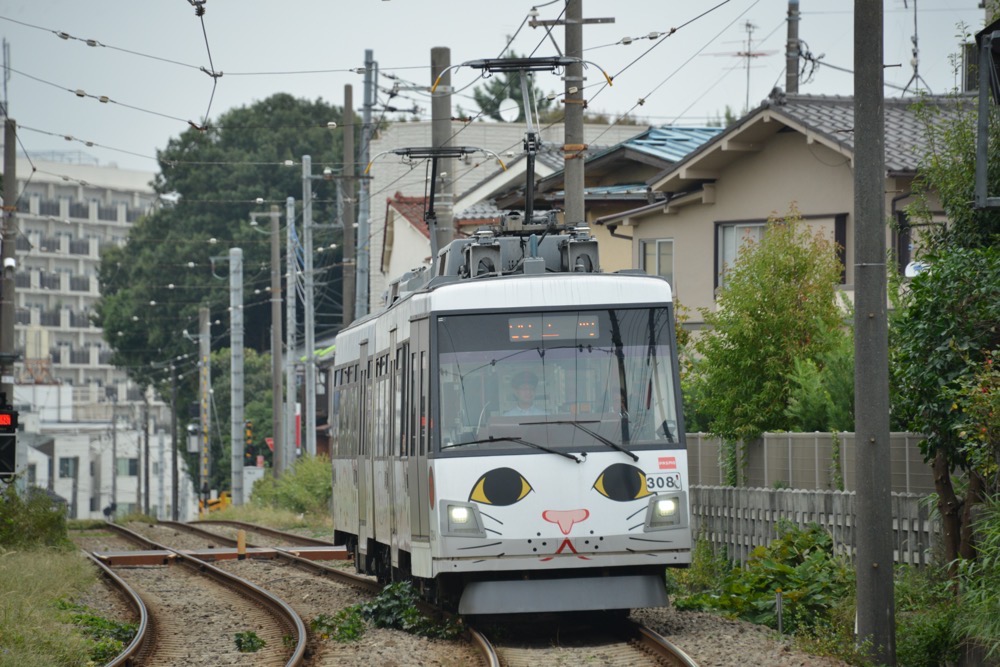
531,375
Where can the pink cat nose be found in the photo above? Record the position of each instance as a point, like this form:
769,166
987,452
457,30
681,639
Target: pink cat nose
565,518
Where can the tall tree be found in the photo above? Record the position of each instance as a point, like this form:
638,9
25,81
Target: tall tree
947,324
778,306
210,181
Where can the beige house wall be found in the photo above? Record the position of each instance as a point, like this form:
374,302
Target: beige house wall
788,170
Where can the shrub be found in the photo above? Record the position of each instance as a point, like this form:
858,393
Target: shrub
36,520
979,583
305,487
800,563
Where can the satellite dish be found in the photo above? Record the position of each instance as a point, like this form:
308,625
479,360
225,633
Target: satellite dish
913,268
508,110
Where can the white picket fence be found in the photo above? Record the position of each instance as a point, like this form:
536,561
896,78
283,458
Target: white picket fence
739,519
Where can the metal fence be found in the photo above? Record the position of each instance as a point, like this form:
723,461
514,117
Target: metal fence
738,519
820,461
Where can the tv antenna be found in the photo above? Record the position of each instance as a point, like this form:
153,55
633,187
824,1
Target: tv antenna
915,60
749,54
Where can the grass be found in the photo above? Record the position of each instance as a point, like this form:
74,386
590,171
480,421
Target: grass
35,627
319,525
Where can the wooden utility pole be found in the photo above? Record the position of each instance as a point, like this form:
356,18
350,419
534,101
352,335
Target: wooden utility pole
874,558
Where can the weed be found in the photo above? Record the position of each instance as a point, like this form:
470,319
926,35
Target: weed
249,642
347,625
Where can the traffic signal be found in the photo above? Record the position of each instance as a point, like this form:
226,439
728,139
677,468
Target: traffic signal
248,433
8,442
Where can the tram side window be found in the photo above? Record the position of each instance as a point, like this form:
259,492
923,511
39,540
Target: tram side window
414,392
399,431
423,402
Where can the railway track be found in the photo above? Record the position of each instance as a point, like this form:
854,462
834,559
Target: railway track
191,622
612,643
312,588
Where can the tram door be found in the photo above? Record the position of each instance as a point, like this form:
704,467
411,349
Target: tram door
365,506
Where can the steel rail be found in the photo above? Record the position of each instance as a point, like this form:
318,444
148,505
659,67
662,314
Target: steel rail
271,532
661,647
261,596
139,640
315,567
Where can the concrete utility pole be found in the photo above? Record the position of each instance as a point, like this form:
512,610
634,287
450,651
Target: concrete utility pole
291,321
280,459
347,281
874,559
114,454
236,400
175,490
573,146
205,388
444,223
145,453
362,297
161,437
7,247
792,50
309,416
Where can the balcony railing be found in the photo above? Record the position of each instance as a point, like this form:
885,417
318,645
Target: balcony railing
79,283
108,213
80,320
48,207
79,247
22,280
23,316
22,244
49,318
104,357
79,356
48,244
79,210
50,281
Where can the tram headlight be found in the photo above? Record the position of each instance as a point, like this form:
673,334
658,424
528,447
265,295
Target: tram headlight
666,507
460,519
666,512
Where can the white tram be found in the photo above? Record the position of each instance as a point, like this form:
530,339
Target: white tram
442,475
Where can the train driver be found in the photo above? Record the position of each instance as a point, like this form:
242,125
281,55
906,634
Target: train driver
524,384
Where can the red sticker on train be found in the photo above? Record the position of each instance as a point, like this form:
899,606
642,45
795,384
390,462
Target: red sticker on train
667,462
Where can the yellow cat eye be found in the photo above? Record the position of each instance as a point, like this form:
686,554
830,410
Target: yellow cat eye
622,482
500,486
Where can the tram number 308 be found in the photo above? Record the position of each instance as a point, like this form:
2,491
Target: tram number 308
663,481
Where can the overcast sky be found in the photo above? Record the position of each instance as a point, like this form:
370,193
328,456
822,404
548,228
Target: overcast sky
153,51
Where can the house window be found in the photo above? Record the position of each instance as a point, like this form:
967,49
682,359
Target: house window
732,236
67,467
156,468
128,467
32,474
658,258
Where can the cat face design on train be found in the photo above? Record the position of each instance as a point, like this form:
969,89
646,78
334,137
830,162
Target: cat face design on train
617,497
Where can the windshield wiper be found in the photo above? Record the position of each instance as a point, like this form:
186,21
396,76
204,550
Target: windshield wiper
516,439
610,443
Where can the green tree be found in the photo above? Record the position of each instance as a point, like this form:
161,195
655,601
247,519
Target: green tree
209,182
508,85
947,322
778,306
257,392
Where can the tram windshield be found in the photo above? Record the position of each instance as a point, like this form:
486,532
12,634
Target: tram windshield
580,378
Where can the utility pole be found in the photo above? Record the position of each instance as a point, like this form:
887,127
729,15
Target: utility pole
236,401
309,415
281,460
792,49
573,145
874,558
145,454
347,281
361,296
7,247
442,231
114,454
161,512
205,387
291,321
175,490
